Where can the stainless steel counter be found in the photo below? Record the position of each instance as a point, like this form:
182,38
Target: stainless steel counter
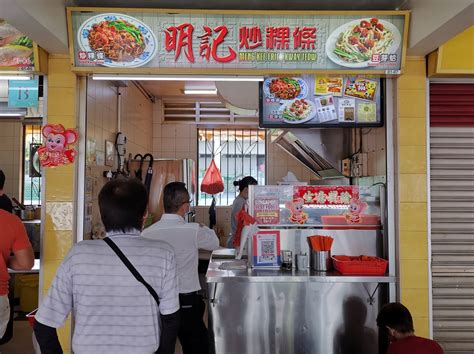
270,311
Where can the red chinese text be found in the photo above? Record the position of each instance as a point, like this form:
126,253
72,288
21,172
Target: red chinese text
278,37
250,37
208,48
304,38
178,37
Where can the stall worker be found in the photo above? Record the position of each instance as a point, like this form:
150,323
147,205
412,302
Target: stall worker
113,311
186,239
240,202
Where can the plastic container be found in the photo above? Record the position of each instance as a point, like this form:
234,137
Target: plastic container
360,265
339,222
28,292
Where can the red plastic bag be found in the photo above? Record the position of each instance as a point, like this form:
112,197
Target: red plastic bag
243,219
212,182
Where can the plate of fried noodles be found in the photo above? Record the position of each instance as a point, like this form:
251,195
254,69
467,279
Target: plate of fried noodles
123,40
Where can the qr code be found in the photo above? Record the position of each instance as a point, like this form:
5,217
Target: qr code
267,251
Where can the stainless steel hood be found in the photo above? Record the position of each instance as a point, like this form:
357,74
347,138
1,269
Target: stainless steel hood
319,150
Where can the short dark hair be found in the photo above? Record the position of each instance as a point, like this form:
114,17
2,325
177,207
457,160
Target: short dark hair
2,179
397,317
175,194
245,182
122,204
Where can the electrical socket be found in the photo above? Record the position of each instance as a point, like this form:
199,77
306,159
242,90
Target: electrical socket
359,165
346,167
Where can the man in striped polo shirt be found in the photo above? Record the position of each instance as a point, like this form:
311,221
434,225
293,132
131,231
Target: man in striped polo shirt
113,312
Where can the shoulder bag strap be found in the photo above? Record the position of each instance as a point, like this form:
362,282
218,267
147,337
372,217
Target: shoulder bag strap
131,268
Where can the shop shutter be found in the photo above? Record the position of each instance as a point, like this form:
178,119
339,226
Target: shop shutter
452,215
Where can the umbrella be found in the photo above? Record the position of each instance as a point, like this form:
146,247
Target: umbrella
138,173
149,172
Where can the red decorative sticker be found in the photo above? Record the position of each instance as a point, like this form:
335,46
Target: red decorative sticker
56,150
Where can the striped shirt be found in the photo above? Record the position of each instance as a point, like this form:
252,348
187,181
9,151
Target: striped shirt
113,312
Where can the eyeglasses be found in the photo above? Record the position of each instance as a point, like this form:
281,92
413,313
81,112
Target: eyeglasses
190,201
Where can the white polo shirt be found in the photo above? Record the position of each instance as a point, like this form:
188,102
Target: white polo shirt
186,239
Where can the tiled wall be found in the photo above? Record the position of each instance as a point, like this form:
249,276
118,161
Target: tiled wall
102,125
412,193
60,182
10,156
179,141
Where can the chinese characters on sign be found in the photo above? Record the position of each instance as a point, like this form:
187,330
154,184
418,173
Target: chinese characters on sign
250,38
340,195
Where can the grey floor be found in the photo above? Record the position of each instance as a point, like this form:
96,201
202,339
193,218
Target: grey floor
22,341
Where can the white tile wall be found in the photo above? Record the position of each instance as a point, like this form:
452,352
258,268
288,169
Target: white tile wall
136,124
10,152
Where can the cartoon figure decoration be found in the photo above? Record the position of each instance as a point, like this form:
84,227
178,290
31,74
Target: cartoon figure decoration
56,150
356,208
297,215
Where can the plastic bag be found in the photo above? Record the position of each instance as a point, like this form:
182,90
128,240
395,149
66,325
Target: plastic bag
212,182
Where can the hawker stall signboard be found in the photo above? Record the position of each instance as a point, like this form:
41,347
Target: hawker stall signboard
179,41
17,51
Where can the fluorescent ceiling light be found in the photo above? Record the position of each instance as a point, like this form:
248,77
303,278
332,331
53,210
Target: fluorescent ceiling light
200,91
175,77
15,77
11,114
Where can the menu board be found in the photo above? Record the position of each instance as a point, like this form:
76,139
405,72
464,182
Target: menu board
17,51
317,101
245,40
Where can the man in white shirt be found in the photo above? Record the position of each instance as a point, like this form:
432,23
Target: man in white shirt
186,239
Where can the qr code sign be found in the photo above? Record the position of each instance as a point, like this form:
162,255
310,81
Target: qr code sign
267,253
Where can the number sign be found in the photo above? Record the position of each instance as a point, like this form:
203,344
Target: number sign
23,93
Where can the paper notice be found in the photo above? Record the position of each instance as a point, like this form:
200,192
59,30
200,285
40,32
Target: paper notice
366,113
347,110
325,108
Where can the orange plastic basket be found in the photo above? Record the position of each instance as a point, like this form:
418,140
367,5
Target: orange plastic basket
360,265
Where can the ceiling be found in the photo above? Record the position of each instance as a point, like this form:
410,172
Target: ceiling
249,4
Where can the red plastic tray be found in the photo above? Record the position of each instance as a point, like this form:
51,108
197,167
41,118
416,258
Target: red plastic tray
360,265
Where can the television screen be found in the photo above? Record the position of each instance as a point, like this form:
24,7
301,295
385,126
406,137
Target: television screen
321,101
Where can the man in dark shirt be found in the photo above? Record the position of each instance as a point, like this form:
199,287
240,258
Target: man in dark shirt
5,202
396,321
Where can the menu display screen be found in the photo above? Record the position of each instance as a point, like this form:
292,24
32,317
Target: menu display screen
317,101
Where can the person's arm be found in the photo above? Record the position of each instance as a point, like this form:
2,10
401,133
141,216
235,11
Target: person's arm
47,339
207,239
23,256
169,333
169,306
22,259
57,305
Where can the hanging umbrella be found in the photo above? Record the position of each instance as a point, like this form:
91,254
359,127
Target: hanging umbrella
138,173
149,172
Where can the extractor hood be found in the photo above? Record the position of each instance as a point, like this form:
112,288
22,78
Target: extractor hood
319,150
